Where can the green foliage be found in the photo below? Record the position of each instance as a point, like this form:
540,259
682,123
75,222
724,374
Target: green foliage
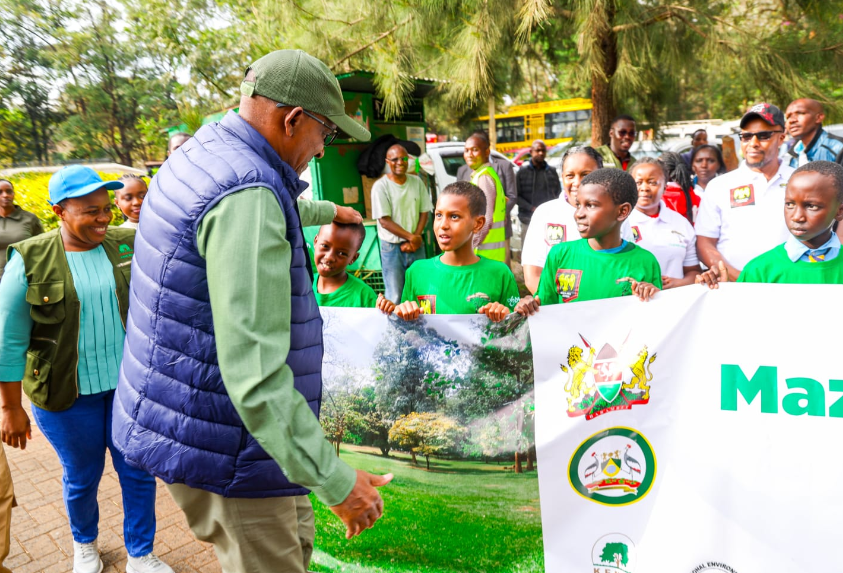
436,522
427,434
616,552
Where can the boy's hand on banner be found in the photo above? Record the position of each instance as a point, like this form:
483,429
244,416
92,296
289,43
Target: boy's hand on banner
494,310
363,506
408,310
715,275
644,291
384,305
528,306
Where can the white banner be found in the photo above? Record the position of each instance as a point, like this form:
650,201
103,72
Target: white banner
701,431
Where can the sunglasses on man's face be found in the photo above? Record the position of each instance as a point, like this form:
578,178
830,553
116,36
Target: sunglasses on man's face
761,135
625,133
333,131
397,159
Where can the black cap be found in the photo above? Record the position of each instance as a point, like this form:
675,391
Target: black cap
764,111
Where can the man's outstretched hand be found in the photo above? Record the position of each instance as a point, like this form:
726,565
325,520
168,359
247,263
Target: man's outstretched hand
363,506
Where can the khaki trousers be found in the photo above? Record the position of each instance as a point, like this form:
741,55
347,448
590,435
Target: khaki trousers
266,535
7,502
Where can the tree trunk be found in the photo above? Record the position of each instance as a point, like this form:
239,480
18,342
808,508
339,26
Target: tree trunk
337,444
427,459
412,453
493,129
518,468
602,98
530,466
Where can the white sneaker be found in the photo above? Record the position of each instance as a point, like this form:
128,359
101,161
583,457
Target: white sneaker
147,564
86,558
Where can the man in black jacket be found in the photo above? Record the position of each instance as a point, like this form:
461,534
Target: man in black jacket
537,183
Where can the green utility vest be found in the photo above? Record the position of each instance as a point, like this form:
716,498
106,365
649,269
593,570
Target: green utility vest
50,379
494,245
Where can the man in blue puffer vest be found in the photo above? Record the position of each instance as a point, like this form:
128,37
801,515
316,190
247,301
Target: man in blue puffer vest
221,381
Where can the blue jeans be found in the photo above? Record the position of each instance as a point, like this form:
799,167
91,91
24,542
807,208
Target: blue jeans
80,436
394,264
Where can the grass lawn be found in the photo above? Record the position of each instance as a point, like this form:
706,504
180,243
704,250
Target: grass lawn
460,516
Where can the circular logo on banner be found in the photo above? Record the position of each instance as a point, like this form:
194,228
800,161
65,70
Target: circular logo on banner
614,552
616,466
713,567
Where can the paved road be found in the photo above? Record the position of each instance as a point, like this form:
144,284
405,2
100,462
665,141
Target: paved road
41,538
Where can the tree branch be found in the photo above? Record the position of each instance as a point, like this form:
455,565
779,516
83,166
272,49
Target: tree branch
372,43
666,15
324,19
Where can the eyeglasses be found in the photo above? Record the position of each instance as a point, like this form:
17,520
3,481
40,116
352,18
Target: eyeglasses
625,133
330,137
397,159
761,135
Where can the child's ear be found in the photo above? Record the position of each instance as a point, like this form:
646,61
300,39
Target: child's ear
839,216
624,209
354,258
478,223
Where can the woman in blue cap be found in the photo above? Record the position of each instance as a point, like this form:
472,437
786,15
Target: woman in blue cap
63,304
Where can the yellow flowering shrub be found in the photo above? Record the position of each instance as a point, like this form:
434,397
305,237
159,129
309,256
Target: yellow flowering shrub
32,194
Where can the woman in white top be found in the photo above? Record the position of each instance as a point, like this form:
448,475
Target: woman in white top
553,222
663,232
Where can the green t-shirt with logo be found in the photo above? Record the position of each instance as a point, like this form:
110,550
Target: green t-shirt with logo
445,289
774,266
576,272
354,293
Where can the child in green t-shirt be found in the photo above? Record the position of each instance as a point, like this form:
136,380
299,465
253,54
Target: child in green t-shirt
335,247
813,201
601,264
458,281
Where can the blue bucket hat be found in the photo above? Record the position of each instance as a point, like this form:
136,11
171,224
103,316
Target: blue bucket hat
77,181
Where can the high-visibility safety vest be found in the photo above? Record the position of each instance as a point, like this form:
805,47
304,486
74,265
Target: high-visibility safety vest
494,245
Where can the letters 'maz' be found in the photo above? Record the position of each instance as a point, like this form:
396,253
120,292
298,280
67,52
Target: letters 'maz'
807,396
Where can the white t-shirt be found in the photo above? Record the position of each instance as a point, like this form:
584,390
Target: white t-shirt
669,236
745,212
402,203
553,222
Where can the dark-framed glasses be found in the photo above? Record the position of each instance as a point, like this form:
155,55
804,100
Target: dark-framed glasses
330,137
761,135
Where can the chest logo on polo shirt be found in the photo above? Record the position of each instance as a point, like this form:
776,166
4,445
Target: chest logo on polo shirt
555,234
742,196
636,233
568,284
427,303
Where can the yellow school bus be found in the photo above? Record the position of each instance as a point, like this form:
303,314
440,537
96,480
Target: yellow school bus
553,121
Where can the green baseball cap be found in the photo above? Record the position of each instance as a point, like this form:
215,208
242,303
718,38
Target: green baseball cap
298,79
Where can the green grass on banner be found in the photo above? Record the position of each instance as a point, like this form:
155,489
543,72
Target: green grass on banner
460,516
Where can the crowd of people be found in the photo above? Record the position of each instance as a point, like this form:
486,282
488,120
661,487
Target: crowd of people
187,341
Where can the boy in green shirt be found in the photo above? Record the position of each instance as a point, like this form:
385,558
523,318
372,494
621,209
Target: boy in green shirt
601,264
336,246
813,201
458,281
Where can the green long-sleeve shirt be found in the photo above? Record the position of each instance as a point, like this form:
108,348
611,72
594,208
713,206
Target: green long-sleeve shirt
243,241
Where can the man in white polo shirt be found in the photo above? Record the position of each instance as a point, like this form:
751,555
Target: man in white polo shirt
740,216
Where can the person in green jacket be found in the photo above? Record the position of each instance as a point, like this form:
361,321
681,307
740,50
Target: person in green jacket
813,203
64,300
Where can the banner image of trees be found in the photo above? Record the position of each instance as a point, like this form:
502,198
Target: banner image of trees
446,405
433,396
